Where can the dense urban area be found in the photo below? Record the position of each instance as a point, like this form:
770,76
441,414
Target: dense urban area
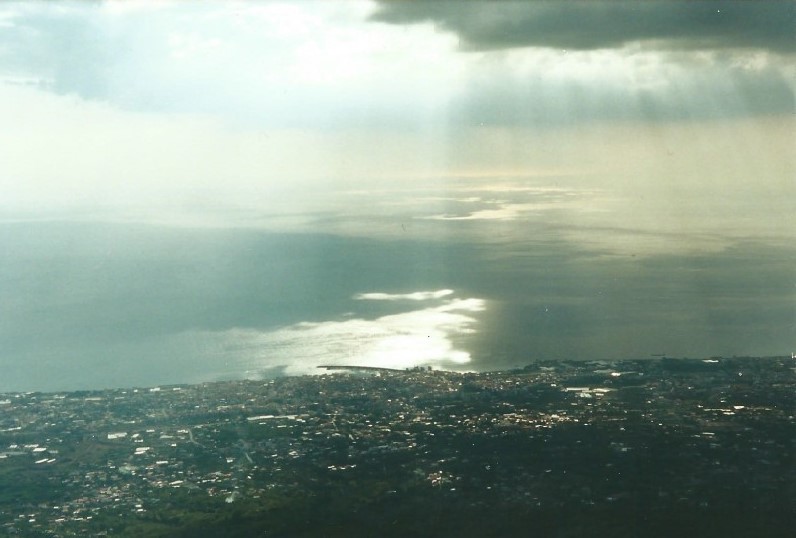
628,448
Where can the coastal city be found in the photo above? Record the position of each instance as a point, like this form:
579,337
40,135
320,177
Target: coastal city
561,447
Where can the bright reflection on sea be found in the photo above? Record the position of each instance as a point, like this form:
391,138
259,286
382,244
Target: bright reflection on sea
425,336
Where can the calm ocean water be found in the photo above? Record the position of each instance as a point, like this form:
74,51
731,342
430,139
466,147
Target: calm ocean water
85,306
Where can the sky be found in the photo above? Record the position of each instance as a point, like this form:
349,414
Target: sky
608,132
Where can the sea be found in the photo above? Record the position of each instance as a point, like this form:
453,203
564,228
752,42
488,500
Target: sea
94,305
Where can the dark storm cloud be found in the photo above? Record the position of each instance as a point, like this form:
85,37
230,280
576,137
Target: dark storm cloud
715,24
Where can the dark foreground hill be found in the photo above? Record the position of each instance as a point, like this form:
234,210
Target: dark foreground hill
646,448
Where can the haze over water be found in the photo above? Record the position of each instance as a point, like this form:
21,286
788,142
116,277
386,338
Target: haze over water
99,305
197,191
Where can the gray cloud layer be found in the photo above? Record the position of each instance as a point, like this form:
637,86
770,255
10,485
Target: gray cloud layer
712,66
490,25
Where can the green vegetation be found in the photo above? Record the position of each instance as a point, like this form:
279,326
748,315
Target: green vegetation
549,451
